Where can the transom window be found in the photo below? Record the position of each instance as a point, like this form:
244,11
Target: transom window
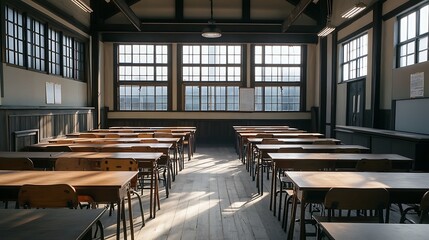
413,37
355,58
211,77
278,77
143,76
36,44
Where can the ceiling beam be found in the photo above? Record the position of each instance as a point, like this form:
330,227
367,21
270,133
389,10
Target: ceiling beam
179,10
128,12
296,12
109,10
312,10
245,10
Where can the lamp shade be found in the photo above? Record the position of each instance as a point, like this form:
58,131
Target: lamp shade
211,31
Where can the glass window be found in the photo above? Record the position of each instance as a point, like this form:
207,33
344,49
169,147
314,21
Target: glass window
35,44
14,30
211,76
54,51
413,37
278,77
355,58
143,76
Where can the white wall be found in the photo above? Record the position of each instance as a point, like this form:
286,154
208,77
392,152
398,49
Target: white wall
27,88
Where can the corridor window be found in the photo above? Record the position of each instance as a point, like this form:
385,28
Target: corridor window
278,77
413,37
355,58
211,77
143,77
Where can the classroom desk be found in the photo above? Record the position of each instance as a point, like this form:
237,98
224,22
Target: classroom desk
144,159
365,231
251,142
311,187
307,148
338,160
42,224
102,186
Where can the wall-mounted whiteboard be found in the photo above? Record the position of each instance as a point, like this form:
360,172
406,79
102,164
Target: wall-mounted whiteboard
247,99
412,115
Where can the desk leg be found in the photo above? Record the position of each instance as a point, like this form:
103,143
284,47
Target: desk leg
274,191
293,216
118,221
130,213
151,201
302,220
273,187
124,220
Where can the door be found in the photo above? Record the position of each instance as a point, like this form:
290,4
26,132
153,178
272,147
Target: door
355,102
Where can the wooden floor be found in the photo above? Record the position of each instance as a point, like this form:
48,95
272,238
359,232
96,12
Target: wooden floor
212,198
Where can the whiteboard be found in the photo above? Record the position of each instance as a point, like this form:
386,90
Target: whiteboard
412,115
247,99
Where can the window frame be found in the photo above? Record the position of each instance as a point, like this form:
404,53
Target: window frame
302,84
418,36
356,59
117,83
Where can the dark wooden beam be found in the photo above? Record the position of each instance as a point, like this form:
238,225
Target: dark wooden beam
245,10
109,10
179,10
312,10
296,12
376,64
128,12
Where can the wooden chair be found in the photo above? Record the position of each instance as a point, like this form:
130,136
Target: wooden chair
271,141
145,135
376,199
149,140
374,165
65,140
112,164
112,135
163,135
88,135
47,196
16,164
422,209
51,196
324,142
164,130
58,148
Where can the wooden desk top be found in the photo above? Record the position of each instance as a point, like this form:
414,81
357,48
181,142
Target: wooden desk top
42,224
365,231
121,140
115,179
322,180
335,156
295,140
147,156
103,145
309,147
282,133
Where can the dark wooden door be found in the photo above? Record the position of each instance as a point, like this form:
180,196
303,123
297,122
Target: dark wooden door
355,103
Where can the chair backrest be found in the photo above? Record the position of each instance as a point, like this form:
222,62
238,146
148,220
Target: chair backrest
271,141
88,135
76,164
149,140
324,142
424,208
163,135
347,150
65,140
124,164
357,199
47,196
264,135
112,135
16,164
59,148
145,135
141,149
374,165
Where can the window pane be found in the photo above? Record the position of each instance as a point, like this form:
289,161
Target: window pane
355,59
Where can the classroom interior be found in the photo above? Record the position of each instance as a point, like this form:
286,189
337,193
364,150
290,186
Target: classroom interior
209,98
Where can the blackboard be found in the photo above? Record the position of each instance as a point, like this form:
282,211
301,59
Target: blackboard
412,115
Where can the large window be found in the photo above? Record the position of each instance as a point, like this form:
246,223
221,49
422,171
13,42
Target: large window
355,58
278,77
35,45
413,36
14,36
143,72
211,77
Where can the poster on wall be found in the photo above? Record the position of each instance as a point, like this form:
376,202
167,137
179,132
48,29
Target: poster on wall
50,93
247,99
57,93
417,87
